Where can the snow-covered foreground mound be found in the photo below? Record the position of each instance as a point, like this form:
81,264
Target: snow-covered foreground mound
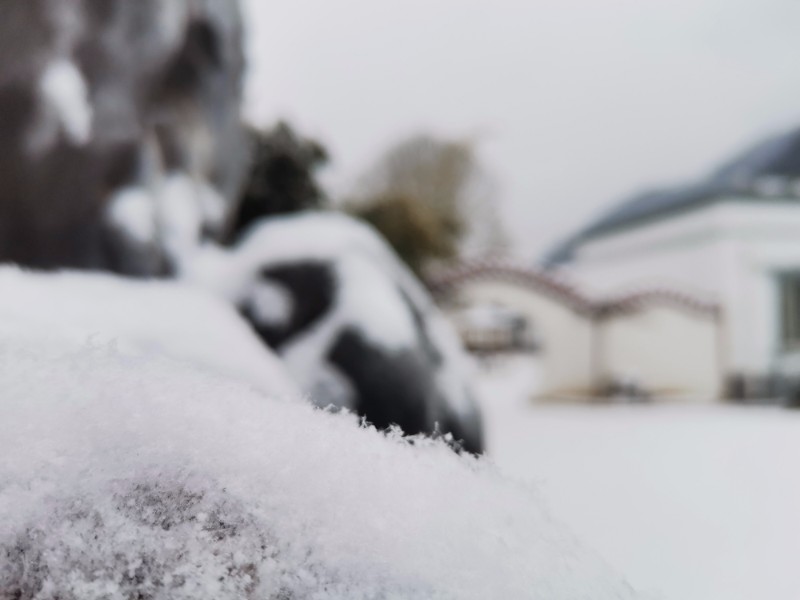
131,475
125,476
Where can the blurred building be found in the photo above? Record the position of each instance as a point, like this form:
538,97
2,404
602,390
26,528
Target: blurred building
653,343
493,327
733,239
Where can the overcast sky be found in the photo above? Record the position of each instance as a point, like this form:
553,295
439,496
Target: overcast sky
574,103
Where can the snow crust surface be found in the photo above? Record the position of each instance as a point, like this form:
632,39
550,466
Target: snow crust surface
136,475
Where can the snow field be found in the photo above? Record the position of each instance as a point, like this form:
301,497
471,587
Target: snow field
690,503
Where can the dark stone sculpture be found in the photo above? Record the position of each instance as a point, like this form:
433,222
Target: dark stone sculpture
107,109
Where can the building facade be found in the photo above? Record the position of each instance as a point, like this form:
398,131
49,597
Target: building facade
653,344
732,239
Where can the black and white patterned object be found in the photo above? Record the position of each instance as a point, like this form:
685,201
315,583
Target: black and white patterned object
355,327
122,142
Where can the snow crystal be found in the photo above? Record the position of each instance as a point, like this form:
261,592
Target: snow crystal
136,476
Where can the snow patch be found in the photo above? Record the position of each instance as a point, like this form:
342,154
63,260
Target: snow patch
213,205
181,216
133,210
270,303
64,91
171,22
188,210
370,300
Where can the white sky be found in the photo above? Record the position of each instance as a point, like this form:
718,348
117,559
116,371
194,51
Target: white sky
575,103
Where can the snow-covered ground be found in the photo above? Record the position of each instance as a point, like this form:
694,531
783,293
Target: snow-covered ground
136,465
137,456
689,503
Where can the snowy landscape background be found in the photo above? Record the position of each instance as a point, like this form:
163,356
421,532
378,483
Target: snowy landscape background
208,340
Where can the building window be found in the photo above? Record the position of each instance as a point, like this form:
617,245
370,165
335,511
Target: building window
790,310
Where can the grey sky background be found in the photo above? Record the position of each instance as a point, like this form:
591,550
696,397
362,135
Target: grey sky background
574,104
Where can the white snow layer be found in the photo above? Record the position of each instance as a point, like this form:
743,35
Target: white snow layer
133,210
172,210
138,318
133,475
187,205
64,92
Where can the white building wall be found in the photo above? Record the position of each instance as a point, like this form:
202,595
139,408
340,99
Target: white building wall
765,265
729,252
667,350
565,361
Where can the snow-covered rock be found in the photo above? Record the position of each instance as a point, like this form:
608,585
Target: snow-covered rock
355,327
138,318
126,476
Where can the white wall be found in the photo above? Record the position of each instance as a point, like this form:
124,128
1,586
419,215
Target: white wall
668,350
729,252
565,360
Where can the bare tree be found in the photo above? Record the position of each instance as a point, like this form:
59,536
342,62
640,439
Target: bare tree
432,199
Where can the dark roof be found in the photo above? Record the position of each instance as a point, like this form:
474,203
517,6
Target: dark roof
776,159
